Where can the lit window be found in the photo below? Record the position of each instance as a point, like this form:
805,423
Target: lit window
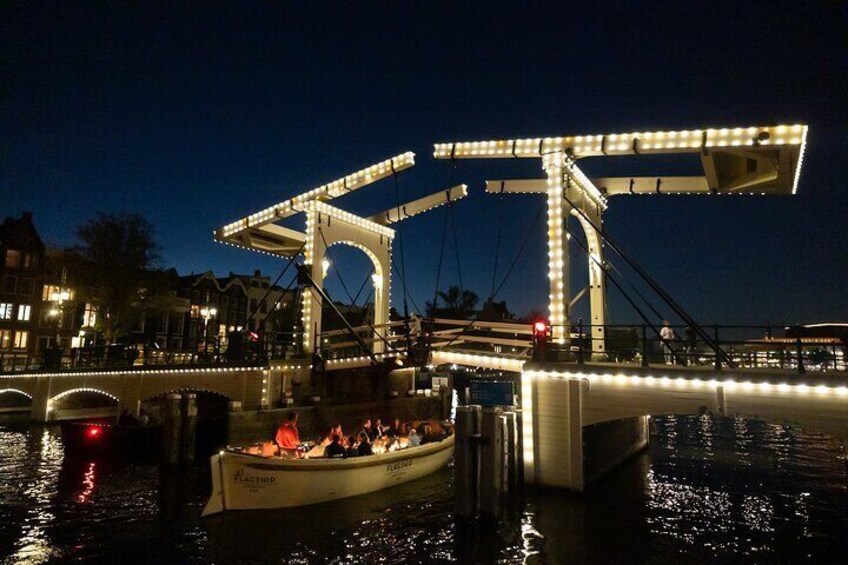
5,311
21,339
13,258
55,293
5,338
89,317
30,261
195,310
24,312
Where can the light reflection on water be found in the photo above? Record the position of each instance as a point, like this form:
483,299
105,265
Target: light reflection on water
727,489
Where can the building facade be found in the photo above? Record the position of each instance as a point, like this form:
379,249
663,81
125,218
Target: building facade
21,281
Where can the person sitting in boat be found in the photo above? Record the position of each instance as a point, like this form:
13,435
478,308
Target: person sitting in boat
430,436
288,438
335,450
414,440
337,429
352,449
379,428
365,445
317,449
367,429
393,430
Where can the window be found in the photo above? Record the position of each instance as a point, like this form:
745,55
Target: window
195,310
26,286
55,293
24,312
30,261
9,284
5,338
89,317
13,258
43,343
5,311
21,339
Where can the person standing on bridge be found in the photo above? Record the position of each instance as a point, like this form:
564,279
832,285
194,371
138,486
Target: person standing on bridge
667,335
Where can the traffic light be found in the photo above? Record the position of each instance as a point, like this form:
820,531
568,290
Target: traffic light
541,334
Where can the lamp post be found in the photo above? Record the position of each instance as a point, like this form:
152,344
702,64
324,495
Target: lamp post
58,298
207,312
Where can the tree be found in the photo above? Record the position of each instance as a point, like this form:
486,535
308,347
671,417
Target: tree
458,304
119,252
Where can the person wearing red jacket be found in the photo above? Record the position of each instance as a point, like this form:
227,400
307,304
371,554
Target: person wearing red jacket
287,438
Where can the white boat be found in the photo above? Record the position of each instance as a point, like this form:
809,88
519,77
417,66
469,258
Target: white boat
242,481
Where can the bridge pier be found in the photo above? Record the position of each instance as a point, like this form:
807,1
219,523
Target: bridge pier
559,449
40,409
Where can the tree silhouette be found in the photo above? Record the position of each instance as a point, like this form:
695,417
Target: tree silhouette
117,253
458,304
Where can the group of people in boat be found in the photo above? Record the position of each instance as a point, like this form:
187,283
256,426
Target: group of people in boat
372,437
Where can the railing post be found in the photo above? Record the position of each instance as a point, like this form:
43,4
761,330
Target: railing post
644,346
716,349
580,341
799,351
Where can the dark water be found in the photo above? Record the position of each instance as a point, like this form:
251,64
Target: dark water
708,490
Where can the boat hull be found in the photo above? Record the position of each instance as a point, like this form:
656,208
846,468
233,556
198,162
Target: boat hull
249,482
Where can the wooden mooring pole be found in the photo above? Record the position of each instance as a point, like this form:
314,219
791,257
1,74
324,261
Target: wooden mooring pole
466,468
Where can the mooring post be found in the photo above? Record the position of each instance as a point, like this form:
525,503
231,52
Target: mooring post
491,462
511,446
189,425
645,362
172,430
466,477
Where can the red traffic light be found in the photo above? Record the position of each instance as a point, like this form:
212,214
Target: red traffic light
540,328
93,432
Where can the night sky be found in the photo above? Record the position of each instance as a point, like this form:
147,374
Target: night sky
197,117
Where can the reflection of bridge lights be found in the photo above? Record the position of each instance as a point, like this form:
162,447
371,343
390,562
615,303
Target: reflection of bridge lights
87,483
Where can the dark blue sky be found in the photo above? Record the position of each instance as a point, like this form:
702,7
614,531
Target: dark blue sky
196,117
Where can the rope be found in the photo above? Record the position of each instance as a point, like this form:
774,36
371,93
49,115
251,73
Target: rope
270,288
456,248
615,283
497,242
649,280
441,257
353,302
530,232
411,298
364,282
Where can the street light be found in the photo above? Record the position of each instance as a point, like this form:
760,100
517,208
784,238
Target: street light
206,313
58,298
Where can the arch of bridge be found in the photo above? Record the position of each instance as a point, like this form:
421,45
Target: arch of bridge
14,393
83,390
325,231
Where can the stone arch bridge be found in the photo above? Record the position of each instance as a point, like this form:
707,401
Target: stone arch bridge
253,386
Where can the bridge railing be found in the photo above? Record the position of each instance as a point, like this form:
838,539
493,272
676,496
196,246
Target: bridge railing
124,358
738,346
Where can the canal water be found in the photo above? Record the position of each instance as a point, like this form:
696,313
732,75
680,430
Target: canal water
708,490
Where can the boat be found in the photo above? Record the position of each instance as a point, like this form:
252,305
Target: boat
246,481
